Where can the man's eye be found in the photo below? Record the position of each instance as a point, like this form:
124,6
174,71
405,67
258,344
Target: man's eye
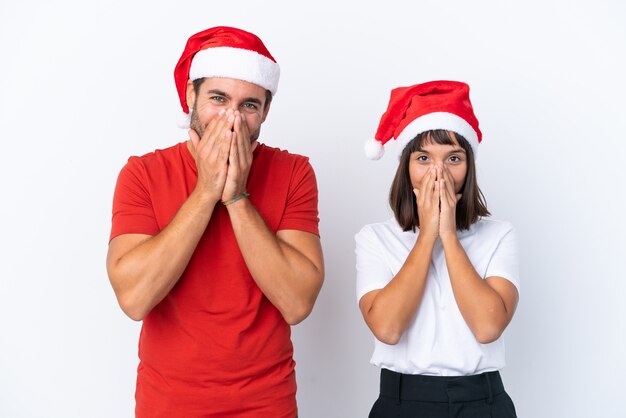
219,99
250,106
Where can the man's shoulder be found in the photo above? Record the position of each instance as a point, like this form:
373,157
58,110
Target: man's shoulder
274,152
155,165
159,154
279,160
164,159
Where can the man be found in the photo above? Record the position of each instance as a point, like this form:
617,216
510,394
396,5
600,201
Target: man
215,244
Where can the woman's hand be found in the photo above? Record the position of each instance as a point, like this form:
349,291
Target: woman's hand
427,199
448,200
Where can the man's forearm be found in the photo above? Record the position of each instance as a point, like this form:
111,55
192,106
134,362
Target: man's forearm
288,270
143,269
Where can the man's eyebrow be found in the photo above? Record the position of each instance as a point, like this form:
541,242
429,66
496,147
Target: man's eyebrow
253,100
219,93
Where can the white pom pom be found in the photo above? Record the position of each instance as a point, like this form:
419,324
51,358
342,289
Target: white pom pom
184,120
373,149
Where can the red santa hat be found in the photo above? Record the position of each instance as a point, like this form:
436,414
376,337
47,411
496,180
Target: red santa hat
225,52
424,107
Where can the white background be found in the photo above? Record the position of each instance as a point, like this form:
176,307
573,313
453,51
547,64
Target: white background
84,85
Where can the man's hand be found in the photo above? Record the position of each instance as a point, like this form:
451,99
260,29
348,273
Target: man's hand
239,159
212,154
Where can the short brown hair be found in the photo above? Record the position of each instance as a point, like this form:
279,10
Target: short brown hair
470,207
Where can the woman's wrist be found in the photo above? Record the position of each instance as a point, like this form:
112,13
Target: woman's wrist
426,238
449,238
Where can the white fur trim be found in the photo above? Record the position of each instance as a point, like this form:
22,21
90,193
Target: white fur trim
184,120
237,63
439,120
374,150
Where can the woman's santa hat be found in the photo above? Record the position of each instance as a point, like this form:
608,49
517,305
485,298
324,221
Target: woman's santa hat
224,52
424,107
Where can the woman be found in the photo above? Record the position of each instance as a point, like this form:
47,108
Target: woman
437,284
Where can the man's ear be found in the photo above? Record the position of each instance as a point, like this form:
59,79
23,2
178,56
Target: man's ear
191,95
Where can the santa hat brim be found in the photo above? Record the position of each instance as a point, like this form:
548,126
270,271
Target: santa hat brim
439,120
237,63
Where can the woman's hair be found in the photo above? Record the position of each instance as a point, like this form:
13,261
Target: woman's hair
469,208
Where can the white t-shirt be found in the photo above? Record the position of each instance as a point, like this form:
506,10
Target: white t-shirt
437,342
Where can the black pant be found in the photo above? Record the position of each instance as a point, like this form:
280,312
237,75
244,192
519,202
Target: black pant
417,396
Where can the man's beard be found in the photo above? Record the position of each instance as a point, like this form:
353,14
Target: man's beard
197,126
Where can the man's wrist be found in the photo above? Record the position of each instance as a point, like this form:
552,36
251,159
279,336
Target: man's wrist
204,197
236,198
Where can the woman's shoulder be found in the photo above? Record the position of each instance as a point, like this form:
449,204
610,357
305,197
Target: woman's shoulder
380,230
491,225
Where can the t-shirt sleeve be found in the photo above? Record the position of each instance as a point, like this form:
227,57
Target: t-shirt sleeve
301,209
505,259
372,271
132,206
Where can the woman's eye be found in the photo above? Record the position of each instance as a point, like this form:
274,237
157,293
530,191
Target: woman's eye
422,158
455,159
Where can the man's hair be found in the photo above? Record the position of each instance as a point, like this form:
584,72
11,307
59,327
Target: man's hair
198,82
469,208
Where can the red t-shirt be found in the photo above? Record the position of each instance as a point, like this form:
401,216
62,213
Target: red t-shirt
215,346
